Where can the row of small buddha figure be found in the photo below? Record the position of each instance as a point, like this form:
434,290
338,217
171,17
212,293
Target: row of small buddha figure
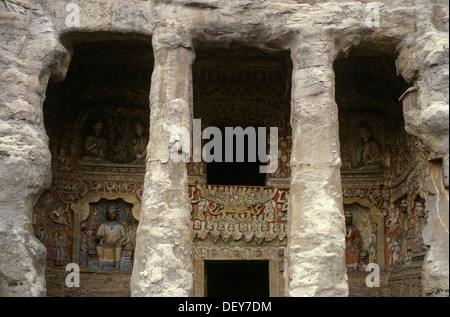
95,145
258,229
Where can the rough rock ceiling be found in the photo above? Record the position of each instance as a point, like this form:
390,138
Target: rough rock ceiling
108,73
112,73
369,85
245,87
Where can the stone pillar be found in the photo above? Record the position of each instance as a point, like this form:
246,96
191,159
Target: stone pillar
163,264
29,54
425,64
315,254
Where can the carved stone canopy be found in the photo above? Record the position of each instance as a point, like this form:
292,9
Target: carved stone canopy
82,207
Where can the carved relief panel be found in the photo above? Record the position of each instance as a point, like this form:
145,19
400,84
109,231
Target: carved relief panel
100,159
362,145
67,218
53,224
361,236
106,135
249,215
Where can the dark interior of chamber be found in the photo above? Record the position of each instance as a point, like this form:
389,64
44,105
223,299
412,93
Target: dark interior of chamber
237,278
241,87
103,74
244,173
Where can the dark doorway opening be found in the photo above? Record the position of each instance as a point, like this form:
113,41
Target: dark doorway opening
237,278
234,173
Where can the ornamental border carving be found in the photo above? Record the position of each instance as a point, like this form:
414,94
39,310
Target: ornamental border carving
239,252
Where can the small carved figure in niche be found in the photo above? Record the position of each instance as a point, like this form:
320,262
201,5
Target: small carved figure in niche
422,215
270,234
65,162
214,233
259,234
84,247
372,250
249,233
282,233
369,152
394,248
346,165
41,234
202,205
236,233
353,242
198,169
269,211
225,231
392,222
111,237
60,253
411,232
95,144
284,207
120,150
200,229
139,142
57,216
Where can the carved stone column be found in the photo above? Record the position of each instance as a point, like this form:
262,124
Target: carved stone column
163,263
315,255
30,53
425,64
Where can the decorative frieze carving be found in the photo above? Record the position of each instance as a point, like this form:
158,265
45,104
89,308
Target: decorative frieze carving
226,252
237,213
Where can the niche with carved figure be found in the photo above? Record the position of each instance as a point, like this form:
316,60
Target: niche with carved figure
98,121
361,237
108,236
